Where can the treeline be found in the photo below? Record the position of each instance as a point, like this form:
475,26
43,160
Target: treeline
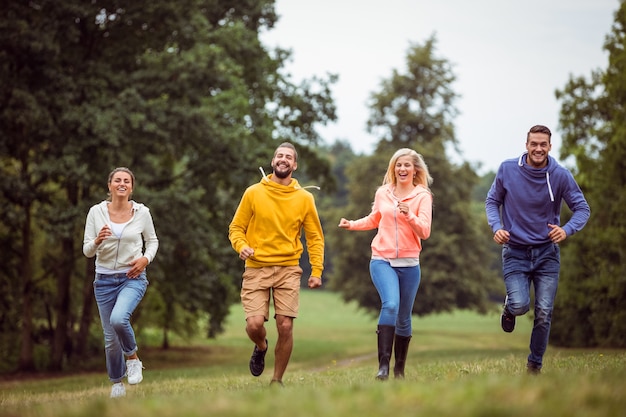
181,92
591,305
185,94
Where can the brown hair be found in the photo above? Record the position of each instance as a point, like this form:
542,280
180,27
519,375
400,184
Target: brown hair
539,129
290,146
121,169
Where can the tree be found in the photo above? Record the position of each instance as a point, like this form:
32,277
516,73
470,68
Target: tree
185,95
592,290
415,109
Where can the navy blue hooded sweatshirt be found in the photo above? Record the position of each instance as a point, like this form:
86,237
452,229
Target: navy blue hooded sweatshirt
530,199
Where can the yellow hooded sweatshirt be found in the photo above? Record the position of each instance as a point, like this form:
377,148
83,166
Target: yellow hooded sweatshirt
270,219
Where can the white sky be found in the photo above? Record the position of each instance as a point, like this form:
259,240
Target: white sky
508,56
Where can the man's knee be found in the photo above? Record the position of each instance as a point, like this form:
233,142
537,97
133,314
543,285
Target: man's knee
518,309
255,323
284,324
543,315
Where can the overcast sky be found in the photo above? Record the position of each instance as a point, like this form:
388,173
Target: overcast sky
508,56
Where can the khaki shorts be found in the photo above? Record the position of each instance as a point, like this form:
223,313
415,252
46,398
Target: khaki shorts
282,283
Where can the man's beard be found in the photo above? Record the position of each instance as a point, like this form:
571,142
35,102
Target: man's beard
282,174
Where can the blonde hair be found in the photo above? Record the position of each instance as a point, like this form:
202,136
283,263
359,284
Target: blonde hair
422,176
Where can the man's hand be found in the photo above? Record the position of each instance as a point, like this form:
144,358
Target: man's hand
501,236
557,234
246,253
315,282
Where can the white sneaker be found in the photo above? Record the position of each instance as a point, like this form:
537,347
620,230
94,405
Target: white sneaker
118,390
133,371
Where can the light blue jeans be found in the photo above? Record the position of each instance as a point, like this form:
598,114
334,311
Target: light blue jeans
117,297
539,265
397,288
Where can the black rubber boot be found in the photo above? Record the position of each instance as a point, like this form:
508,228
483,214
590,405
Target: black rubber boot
400,349
385,346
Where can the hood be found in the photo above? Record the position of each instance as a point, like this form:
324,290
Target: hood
539,172
389,189
104,206
293,185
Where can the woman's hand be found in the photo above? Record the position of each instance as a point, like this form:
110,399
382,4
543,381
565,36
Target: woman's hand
137,267
404,208
344,224
103,234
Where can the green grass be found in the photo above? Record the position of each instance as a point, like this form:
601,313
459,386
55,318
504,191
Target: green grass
459,364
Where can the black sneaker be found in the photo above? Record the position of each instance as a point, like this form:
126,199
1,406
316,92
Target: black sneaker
507,320
532,368
257,360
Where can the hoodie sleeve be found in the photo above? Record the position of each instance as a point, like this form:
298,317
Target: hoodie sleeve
314,238
239,225
495,198
421,221
577,203
89,240
370,221
149,236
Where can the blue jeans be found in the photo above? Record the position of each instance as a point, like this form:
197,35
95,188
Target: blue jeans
117,297
397,288
539,265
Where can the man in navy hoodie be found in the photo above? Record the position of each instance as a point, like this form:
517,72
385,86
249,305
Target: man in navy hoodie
523,209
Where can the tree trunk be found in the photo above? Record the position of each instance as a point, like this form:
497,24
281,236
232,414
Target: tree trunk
82,338
26,360
165,344
62,307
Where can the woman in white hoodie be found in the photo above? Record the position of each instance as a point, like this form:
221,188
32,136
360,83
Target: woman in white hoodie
116,232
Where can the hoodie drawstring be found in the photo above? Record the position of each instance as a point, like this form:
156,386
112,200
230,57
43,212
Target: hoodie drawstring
520,162
264,176
549,186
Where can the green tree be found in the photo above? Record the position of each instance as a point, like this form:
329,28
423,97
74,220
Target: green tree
331,202
592,290
415,109
185,95
494,263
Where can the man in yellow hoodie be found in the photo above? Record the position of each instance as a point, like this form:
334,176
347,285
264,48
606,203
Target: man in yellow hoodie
265,232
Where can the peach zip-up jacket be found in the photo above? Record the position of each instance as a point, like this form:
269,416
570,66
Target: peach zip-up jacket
399,235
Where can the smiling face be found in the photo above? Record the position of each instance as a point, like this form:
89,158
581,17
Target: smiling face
404,170
121,185
538,146
284,162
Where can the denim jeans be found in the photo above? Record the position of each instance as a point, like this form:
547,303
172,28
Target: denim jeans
539,265
397,288
117,297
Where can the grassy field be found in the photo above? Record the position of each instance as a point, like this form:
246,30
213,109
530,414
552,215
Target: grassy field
459,364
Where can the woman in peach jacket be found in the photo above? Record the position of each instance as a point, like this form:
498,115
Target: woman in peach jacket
402,213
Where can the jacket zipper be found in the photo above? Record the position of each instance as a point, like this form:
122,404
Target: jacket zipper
395,219
119,239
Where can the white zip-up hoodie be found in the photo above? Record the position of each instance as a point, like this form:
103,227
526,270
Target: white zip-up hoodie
115,252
